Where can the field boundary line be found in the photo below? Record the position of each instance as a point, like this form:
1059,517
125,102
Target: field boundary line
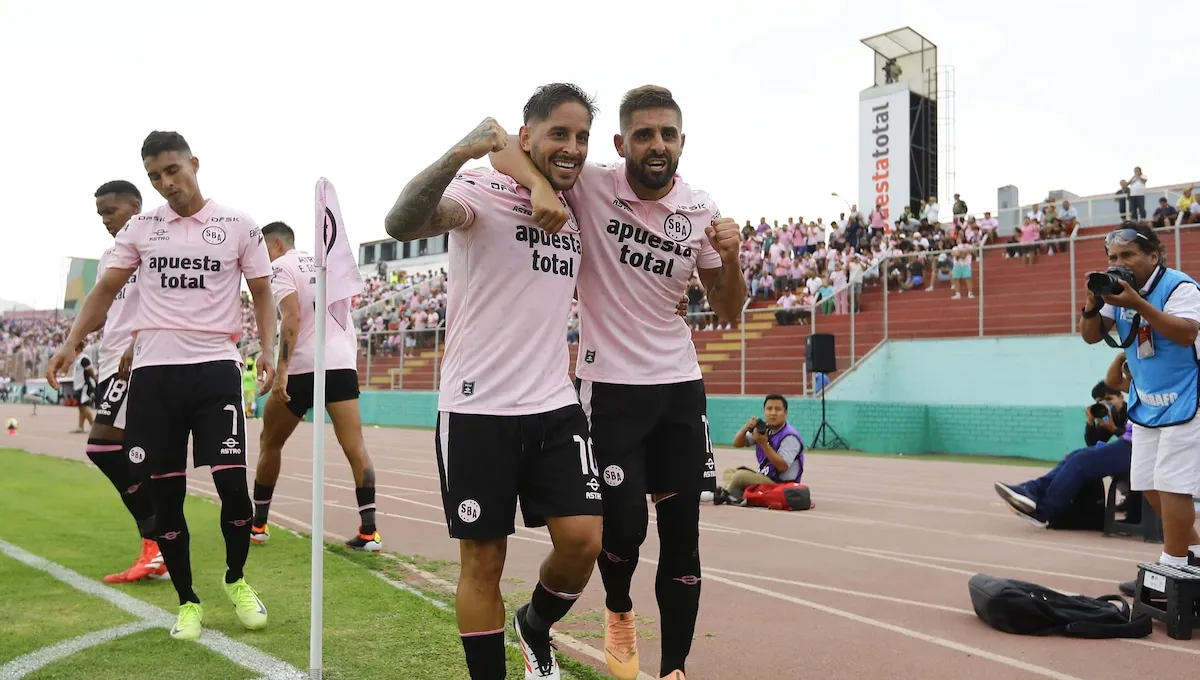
560,638
40,658
246,656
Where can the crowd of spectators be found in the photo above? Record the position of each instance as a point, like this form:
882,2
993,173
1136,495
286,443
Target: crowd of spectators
28,342
799,266
805,266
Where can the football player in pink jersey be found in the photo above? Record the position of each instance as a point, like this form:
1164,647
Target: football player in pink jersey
116,203
295,287
510,427
646,231
190,256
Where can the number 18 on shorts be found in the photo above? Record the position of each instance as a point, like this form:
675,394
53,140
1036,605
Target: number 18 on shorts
488,464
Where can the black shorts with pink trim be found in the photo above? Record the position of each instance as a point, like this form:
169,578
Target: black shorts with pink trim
167,404
110,402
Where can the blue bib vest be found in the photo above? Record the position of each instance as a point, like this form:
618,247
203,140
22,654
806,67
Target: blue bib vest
1165,389
765,467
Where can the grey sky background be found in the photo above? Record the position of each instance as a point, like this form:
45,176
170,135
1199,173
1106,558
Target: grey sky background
1058,94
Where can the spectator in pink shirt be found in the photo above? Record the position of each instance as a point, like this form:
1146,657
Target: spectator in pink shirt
1031,231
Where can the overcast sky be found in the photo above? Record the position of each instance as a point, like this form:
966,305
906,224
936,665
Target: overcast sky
1053,94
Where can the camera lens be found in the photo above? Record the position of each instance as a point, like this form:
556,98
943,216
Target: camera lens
1098,410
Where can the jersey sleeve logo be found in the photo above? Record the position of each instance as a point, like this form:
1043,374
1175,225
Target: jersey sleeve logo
678,227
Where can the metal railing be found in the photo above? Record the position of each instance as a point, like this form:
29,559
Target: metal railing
748,357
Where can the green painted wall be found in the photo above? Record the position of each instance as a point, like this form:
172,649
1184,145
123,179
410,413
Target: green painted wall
1044,433
1046,370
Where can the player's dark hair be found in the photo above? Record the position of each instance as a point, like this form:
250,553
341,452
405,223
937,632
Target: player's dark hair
280,230
160,142
119,187
549,97
776,397
647,97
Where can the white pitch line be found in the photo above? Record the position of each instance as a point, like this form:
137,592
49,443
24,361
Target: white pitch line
28,663
242,654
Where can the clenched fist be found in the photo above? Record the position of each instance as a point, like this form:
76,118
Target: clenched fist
487,137
726,237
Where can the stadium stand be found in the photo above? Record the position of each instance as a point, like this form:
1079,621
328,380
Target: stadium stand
853,277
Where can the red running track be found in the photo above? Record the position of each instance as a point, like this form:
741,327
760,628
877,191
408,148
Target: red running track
871,582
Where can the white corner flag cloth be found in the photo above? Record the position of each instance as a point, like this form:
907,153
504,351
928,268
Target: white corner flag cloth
332,251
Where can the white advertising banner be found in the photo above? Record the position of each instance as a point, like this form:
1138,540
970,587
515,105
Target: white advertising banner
883,150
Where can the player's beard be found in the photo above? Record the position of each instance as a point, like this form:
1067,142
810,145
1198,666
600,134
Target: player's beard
651,179
553,173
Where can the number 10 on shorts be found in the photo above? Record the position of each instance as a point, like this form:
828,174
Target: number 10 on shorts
587,461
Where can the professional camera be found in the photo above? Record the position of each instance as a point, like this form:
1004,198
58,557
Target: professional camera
760,425
1109,282
1099,410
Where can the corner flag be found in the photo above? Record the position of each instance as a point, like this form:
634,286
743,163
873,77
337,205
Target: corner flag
338,281
332,251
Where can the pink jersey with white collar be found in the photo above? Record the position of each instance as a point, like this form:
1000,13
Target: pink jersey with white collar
640,257
189,273
509,291
118,326
295,272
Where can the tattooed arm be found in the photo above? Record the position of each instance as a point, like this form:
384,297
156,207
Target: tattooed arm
289,329
421,211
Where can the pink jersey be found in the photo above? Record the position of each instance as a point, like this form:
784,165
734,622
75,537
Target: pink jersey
189,273
295,273
509,295
118,327
640,257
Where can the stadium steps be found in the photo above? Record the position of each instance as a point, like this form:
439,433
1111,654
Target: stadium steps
1017,300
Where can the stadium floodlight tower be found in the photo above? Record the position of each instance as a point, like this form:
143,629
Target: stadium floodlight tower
898,125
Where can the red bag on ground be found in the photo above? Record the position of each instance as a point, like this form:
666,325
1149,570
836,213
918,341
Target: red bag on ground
781,496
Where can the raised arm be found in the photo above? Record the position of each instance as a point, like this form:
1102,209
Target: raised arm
421,211
724,285
1117,377
514,162
548,212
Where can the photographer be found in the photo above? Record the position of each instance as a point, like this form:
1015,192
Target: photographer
1156,313
1064,498
1108,415
779,448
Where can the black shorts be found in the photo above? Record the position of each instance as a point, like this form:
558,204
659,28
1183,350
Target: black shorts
340,385
650,439
486,463
168,403
110,409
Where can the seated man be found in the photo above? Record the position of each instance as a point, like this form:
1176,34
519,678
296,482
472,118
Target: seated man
1048,498
779,449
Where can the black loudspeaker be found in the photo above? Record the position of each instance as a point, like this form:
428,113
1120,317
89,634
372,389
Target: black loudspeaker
820,354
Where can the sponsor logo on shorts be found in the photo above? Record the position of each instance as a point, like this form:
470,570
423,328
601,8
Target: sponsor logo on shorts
594,494
469,511
711,472
614,475
214,235
104,409
230,447
137,454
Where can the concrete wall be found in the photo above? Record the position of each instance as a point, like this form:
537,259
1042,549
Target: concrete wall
1044,433
1051,370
